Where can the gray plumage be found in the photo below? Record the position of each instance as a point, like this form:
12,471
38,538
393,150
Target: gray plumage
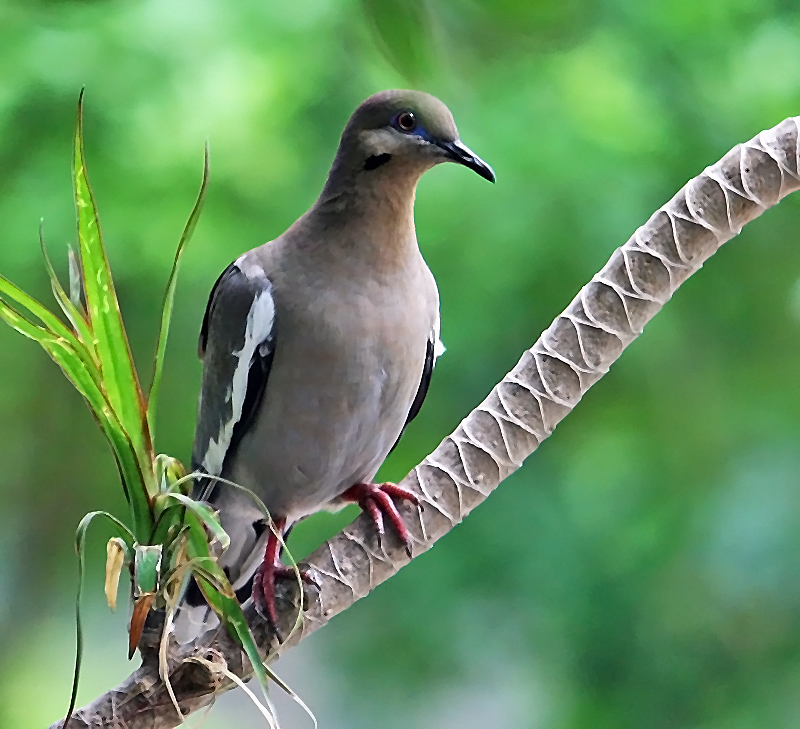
317,347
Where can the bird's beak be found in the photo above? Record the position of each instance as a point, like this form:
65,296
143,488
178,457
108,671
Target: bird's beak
459,152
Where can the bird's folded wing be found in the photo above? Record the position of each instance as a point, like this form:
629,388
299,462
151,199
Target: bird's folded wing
434,350
237,343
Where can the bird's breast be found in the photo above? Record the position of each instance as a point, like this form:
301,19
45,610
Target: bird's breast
348,362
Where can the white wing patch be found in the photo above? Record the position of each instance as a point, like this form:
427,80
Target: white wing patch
259,327
438,345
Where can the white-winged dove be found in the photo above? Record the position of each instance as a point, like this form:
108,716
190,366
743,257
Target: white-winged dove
318,347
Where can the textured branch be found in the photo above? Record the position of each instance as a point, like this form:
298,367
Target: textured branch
520,412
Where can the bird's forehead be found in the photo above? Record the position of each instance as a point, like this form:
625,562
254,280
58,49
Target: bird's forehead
379,110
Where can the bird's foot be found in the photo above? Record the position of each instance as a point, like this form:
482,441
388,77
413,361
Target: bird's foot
271,570
376,500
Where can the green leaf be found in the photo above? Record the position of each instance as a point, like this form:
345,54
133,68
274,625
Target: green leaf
169,297
167,528
230,614
72,312
198,569
171,474
131,476
146,569
80,546
119,375
225,606
52,324
84,378
203,512
63,352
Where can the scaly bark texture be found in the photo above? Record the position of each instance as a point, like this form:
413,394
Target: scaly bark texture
519,413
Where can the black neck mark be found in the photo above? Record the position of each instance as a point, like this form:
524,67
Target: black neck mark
376,161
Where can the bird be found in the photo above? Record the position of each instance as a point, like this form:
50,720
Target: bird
318,348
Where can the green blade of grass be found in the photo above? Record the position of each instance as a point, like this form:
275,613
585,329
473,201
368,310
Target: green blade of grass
113,350
147,568
54,326
230,614
83,377
263,509
198,569
80,547
225,606
167,527
76,367
169,297
203,512
169,472
72,312
130,473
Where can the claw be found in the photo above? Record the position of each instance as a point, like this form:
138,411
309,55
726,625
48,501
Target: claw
305,577
376,515
376,500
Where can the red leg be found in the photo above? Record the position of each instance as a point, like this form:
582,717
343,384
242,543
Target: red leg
264,581
375,500
271,570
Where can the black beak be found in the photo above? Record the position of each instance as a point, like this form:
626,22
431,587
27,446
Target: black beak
462,154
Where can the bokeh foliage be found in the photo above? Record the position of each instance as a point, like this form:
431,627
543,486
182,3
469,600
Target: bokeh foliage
643,569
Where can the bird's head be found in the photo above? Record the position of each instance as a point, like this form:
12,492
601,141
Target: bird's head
405,130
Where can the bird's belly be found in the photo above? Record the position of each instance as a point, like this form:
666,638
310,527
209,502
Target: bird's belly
326,425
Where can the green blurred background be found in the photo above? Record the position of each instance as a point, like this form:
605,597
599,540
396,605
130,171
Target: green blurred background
643,569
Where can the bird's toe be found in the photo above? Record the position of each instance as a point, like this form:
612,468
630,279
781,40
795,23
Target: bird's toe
376,500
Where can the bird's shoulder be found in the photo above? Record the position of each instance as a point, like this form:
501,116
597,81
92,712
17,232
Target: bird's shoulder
309,286
237,344
242,292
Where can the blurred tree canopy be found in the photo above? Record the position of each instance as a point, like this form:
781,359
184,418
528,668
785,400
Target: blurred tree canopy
643,569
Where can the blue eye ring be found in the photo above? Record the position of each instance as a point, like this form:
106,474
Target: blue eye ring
405,121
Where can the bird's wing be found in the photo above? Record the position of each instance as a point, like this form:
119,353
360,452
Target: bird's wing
435,349
237,343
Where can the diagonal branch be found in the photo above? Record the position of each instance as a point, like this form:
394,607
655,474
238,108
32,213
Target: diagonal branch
519,413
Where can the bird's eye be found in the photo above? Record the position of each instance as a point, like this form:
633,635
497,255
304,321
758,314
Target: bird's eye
406,121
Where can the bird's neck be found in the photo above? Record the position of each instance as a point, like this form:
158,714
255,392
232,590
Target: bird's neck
368,215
